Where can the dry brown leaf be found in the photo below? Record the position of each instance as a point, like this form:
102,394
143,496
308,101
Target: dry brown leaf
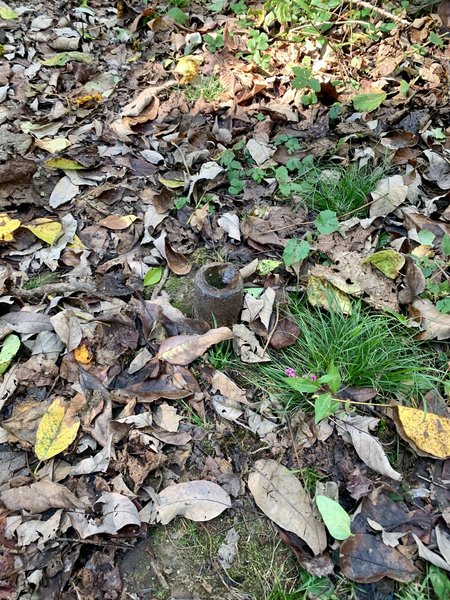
428,434
280,495
388,195
39,497
183,349
434,324
195,500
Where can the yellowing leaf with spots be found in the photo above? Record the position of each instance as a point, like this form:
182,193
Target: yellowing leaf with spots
427,433
389,262
188,67
7,227
82,354
57,429
45,229
117,222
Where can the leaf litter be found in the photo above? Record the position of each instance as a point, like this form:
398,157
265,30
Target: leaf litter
138,145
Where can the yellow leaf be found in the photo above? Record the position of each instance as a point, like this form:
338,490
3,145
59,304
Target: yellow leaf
188,67
56,431
66,164
117,222
76,244
322,293
54,145
45,229
388,262
427,433
82,354
7,226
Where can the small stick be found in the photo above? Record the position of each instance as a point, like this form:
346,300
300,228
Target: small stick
381,11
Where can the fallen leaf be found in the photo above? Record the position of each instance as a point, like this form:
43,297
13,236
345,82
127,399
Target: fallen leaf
113,512
365,559
430,556
368,448
428,434
7,227
336,519
45,229
246,345
27,322
434,324
62,58
368,102
117,222
229,222
94,464
183,349
39,497
56,431
10,347
195,500
65,164
388,195
389,262
280,495
188,67
286,334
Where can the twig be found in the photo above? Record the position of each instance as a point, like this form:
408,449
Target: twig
158,288
381,11
272,331
55,289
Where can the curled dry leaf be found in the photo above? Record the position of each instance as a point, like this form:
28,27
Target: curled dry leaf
428,434
280,495
195,500
365,559
116,511
39,497
176,261
183,349
246,345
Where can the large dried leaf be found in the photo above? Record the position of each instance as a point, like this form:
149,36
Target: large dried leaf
428,434
388,195
27,322
430,556
57,429
39,497
365,559
112,512
366,445
435,325
280,495
195,500
183,349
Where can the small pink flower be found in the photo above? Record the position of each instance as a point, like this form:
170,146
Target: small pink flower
313,377
290,372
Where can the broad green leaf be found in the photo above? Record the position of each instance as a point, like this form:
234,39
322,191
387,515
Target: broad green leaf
327,222
440,582
368,102
177,15
11,345
62,58
445,244
436,39
336,520
426,237
255,292
404,87
332,378
388,262
66,164
443,305
324,406
56,431
301,385
7,13
153,276
295,251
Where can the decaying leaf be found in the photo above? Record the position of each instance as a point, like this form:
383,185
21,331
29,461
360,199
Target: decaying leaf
388,195
428,434
431,556
367,446
365,559
247,346
7,227
183,349
388,262
195,500
39,497
280,495
57,429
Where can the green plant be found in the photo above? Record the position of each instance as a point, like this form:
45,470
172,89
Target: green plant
221,355
258,42
208,87
234,170
366,349
214,42
340,189
290,142
303,79
195,418
41,279
435,584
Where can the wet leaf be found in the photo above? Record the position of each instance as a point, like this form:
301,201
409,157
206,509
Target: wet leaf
427,433
368,102
195,500
280,495
7,227
183,349
45,229
365,559
56,431
388,262
337,521
10,347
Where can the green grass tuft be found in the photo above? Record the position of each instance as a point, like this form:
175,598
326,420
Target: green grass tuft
208,87
369,350
340,189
